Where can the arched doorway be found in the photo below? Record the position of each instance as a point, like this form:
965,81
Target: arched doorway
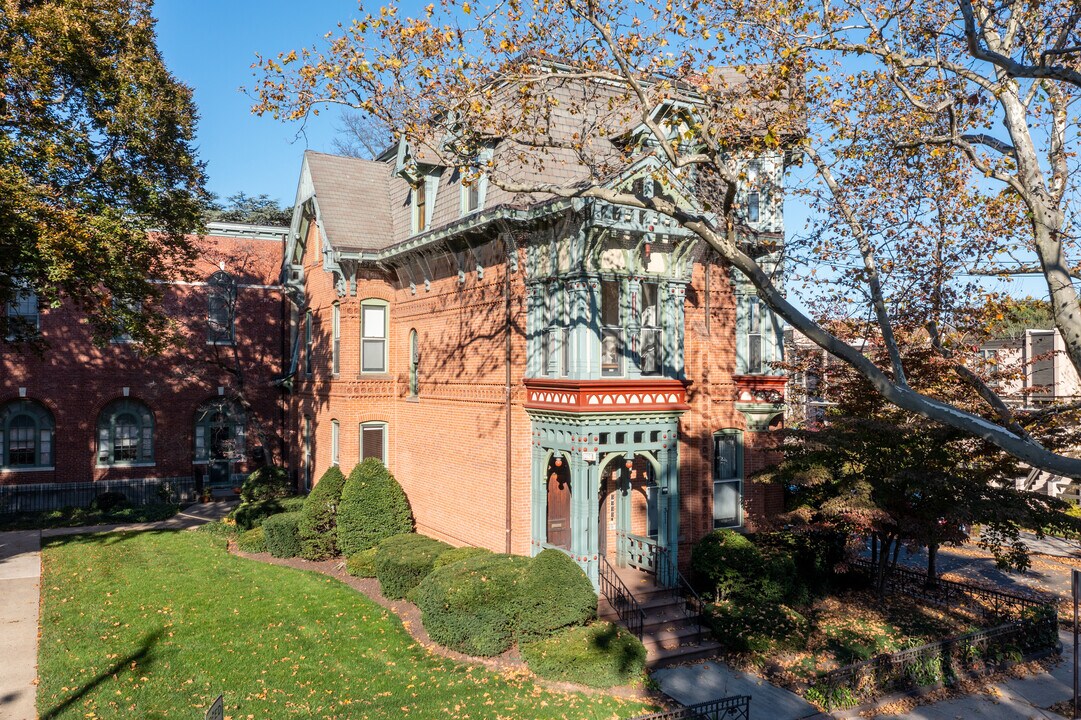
219,439
558,515
628,516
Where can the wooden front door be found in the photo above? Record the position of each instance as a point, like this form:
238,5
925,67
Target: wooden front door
559,508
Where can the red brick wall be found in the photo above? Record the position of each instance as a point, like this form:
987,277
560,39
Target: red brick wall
75,379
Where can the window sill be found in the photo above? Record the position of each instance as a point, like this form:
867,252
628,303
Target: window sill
107,466
374,376
221,343
28,469
412,398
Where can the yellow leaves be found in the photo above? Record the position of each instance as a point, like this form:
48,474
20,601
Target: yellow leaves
466,8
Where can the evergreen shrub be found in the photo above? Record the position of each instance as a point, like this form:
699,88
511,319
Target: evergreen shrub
373,508
318,528
282,534
252,541
402,561
600,655
266,483
456,554
252,514
473,605
362,564
555,594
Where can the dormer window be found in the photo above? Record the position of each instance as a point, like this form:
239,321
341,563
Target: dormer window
420,207
752,206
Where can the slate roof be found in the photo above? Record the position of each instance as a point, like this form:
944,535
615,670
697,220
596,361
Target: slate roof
354,204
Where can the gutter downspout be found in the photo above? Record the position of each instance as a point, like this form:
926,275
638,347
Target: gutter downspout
507,307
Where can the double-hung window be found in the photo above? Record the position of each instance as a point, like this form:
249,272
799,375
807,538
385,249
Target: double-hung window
22,313
335,438
309,319
221,309
373,337
336,346
727,479
611,329
125,434
650,330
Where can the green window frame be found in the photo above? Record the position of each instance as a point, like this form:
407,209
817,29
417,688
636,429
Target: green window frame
728,479
26,436
125,434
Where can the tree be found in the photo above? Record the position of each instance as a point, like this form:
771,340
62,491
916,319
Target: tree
252,209
936,141
361,136
98,177
873,470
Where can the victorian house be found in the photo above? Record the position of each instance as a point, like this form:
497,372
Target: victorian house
536,372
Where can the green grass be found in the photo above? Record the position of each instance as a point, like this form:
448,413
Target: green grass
77,517
156,624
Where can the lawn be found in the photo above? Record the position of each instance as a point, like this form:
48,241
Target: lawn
857,625
156,624
81,516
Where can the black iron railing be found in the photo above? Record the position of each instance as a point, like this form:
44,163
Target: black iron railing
729,708
620,598
52,496
669,576
949,593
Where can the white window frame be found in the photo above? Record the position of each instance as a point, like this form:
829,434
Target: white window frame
335,440
336,345
386,439
430,183
366,339
481,185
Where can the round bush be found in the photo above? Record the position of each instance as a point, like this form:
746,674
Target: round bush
266,483
556,594
402,561
362,564
252,514
473,605
252,541
282,535
455,554
319,518
373,508
727,564
600,655
112,500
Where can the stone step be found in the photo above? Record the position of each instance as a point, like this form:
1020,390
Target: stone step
658,600
687,652
673,635
653,616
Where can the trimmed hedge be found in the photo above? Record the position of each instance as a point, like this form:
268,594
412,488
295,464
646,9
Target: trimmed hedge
362,564
282,534
318,528
373,508
252,514
217,528
402,561
252,541
600,655
473,605
555,594
456,554
112,500
266,483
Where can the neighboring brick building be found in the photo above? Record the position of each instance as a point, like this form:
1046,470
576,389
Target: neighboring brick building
206,410
535,373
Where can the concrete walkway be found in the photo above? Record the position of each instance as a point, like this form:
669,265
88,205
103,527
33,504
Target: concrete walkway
20,597
693,684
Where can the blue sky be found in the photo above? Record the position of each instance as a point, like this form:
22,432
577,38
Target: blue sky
210,46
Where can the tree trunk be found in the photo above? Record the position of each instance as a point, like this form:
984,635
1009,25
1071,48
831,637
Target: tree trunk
932,569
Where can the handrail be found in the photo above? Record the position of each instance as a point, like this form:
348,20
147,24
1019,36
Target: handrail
673,579
729,708
620,598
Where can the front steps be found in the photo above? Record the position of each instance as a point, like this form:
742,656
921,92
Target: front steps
669,635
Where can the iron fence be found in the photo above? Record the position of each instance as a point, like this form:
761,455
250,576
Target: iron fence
53,496
1031,626
620,598
737,707
670,576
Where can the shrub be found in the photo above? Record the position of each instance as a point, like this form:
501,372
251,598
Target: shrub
252,541
402,561
455,554
555,594
473,605
319,519
601,655
727,564
757,625
217,529
373,508
266,483
362,564
282,537
252,514
111,500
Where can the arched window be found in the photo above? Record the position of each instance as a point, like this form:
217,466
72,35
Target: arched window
414,361
26,435
125,433
219,431
221,308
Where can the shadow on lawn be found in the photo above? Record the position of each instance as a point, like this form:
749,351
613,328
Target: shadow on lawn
143,656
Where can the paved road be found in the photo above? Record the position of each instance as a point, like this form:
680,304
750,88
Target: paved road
20,595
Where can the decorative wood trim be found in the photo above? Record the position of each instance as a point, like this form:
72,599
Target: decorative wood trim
617,396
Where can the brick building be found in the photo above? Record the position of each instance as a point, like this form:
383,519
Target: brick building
202,411
535,372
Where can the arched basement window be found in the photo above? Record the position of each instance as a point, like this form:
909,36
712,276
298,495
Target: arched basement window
26,435
125,433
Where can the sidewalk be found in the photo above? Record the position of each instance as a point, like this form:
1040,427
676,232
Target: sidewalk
20,596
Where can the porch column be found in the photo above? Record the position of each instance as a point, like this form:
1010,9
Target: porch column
534,329
631,327
539,500
669,531
592,498
581,332
579,507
